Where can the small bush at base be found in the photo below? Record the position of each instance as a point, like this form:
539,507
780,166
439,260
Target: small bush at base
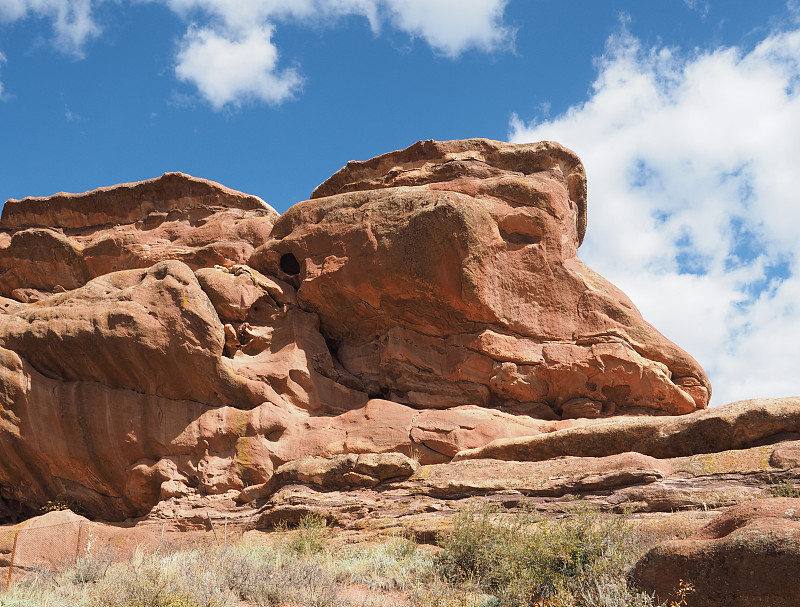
524,560
310,535
784,489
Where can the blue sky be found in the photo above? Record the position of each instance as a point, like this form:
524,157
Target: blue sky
685,113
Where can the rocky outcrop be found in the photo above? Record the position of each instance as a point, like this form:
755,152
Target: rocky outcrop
44,542
174,338
151,331
627,481
747,556
447,273
346,471
736,426
58,243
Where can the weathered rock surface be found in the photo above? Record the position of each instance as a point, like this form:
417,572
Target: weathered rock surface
447,273
174,339
749,555
625,481
346,471
735,426
61,242
46,541
153,331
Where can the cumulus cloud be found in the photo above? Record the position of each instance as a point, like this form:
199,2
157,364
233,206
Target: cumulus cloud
453,26
73,23
693,210
2,61
215,54
228,52
235,69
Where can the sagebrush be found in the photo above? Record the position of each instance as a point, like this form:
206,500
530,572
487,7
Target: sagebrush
490,558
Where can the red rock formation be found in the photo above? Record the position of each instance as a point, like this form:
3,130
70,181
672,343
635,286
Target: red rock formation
163,338
59,243
447,273
735,426
748,555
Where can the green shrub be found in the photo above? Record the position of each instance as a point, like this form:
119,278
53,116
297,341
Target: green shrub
309,538
784,489
524,560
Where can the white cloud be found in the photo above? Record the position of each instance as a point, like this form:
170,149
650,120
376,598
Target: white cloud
231,69
693,205
73,23
700,6
2,61
453,26
228,53
232,28
449,26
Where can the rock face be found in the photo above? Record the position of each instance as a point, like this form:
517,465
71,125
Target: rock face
616,482
59,243
447,273
173,337
747,556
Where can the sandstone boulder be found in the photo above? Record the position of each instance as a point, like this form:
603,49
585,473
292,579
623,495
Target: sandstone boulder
749,555
346,471
48,541
447,274
153,331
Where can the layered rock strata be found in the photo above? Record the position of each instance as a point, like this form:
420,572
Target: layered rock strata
681,475
58,243
173,337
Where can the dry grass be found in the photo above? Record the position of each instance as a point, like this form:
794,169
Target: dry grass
489,559
301,571
675,526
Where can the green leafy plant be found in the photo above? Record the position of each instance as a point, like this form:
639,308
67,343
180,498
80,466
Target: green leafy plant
784,489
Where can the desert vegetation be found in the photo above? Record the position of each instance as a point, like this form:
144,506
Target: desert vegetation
489,558
784,489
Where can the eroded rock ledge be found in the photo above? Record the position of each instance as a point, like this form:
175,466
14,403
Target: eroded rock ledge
175,338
